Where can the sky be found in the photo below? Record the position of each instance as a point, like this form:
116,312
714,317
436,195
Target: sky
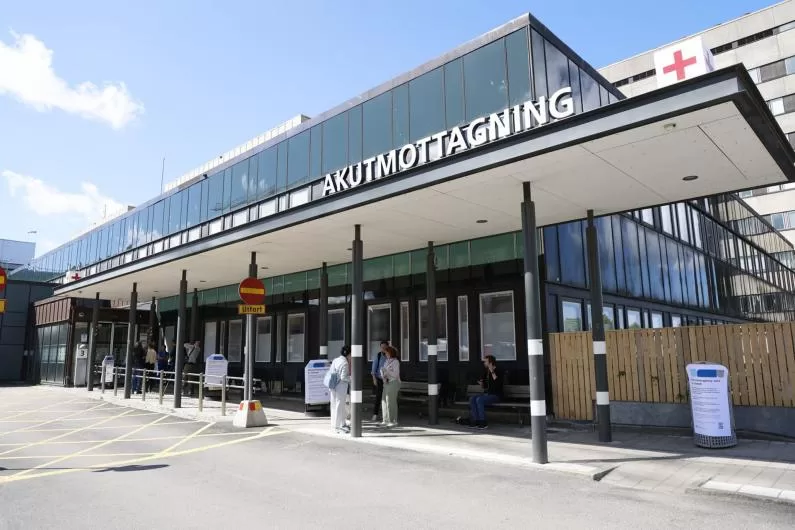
93,95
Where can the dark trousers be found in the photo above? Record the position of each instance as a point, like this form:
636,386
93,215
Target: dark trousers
379,394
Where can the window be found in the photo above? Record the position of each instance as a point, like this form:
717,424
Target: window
298,159
210,338
264,342
405,323
379,327
656,320
296,336
426,99
400,115
665,218
608,316
316,151
590,92
377,125
772,71
336,332
463,328
239,185
485,80
454,93
681,214
557,69
267,172
572,254
656,269
215,191
633,319
647,216
572,316
335,142
441,329
517,53
279,337
194,205
235,351
175,213
676,321
497,330
632,257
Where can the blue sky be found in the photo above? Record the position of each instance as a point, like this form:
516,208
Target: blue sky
94,94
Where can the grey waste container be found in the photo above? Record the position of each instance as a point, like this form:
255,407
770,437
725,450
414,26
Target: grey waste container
711,406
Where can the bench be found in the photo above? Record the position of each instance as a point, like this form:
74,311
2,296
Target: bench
515,397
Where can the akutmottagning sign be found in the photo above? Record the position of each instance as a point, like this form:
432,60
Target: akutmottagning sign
478,132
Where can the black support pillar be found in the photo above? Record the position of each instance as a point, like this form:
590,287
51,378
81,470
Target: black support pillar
179,357
598,333
357,360
248,374
128,362
535,346
323,316
92,344
194,317
152,321
433,350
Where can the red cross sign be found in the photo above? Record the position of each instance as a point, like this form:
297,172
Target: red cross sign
684,60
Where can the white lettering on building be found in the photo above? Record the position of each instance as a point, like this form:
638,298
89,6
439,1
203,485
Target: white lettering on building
480,131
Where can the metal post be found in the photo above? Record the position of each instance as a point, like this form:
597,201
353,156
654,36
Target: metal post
535,346
143,386
598,333
223,395
433,387
102,378
179,360
128,373
115,382
251,337
152,320
161,387
323,308
201,392
357,361
194,316
92,343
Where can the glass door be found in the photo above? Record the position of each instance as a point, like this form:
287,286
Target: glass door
336,332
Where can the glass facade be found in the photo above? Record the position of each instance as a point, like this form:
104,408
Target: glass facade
510,70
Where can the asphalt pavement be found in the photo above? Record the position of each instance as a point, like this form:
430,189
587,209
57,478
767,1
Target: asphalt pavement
86,464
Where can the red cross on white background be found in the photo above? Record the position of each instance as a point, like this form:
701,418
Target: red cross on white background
679,65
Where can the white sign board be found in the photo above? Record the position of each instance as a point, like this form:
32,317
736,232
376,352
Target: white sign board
684,60
107,368
315,392
709,399
215,368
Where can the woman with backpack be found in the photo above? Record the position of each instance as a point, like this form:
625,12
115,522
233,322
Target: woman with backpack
337,380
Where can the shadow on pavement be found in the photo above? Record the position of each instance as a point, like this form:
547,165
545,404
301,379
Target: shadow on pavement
125,469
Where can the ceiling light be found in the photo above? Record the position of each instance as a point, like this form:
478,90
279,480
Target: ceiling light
155,291
202,281
690,178
348,249
669,126
481,221
264,268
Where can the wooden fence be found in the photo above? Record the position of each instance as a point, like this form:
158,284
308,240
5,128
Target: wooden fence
648,365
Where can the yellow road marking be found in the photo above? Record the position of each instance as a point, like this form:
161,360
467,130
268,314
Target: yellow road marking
73,456
90,428
158,456
166,451
73,431
152,439
88,449
86,418
27,429
29,411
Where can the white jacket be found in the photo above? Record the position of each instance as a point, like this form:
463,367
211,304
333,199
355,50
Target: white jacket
340,367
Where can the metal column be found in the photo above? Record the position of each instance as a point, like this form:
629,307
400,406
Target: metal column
251,336
152,321
433,387
179,350
535,346
130,343
357,361
194,317
598,333
92,344
323,316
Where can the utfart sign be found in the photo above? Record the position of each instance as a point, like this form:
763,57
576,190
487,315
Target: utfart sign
478,132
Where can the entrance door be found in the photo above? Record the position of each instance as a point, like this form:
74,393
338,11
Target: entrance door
336,332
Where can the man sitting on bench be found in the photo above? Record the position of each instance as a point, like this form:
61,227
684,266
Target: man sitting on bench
492,393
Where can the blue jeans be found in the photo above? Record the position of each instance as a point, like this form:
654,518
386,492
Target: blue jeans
478,404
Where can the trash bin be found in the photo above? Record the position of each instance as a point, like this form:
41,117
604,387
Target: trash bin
81,365
107,370
711,406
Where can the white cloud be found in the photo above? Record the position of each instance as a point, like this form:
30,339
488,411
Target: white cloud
45,200
26,73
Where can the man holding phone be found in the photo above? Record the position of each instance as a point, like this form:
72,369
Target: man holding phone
492,393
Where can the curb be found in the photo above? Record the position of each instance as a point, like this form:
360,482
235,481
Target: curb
745,491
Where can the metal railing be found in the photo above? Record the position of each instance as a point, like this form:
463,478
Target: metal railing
142,378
